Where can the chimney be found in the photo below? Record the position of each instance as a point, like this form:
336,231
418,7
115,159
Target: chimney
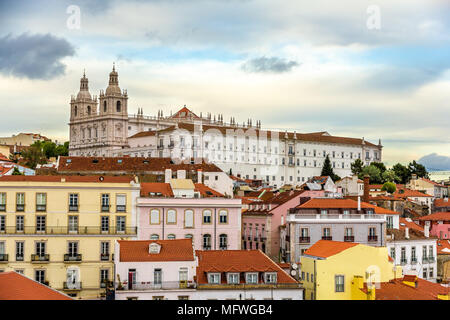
446,199
359,204
366,188
407,233
199,176
168,175
181,174
427,231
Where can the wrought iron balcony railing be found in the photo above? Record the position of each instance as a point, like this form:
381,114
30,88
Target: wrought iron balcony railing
41,207
104,256
304,239
372,238
40,257
20,207
327,238
72,257
121,208
349,238
105,208
72,286
66,230
150,285
3,257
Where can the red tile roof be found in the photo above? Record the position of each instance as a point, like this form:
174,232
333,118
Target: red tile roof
443,246
237,261
206,191
331,203
410,224
171,250
328,248
397,290
185,113
445,216
3,157
156,187
408,193
14,286
93,178
441,203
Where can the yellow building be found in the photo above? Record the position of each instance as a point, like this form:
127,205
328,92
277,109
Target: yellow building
334,270
61,230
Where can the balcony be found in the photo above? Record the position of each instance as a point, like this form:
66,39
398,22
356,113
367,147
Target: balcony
3,257
425,260
206,247
262,239
372,238
73,208
349,238
165,285
106,284
304,239
120,208
72,257
105,208
413,260
403,262
41,207
255,238
67,230
19,257
431,259
72,286
327,238
40,258
20,207
2,207
104,257
249,238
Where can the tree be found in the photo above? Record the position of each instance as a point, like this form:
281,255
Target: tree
33,156
402,172
357,166
379,165
418,169
327,170
390,176
373,172
390,187
16,172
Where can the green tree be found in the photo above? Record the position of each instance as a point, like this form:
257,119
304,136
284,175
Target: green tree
402,172
390,176
63,150
49,149
33,156
357,166
389,187
327,170
379,165
418,169
373,172
16,172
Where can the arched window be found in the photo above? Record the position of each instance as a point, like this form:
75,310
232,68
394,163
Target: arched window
171,216
118,106
154,237
223,216
207,216
105,108
171,236
189,236
154,216
89,110
75,111
223,242
207,242
188,218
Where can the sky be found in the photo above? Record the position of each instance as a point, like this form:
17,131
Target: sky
377,69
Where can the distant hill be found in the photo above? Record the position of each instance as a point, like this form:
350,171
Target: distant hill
435,162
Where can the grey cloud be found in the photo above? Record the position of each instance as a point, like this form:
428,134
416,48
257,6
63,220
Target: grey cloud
269,65
435,162
34,56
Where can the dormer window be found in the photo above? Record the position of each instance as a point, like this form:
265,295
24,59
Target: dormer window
369,212
233,278
214,278
154,248
251,277
270,277
323,212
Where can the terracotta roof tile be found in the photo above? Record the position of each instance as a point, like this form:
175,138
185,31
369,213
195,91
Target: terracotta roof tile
445,216
405,223
328,248
93,178
14,286
408,193
331,203
171,250
441,203
443,246
397,290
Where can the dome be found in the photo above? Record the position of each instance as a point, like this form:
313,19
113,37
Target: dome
84,88
84,95
113,87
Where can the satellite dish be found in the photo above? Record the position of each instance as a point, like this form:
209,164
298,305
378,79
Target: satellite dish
293,272
294,266
101,178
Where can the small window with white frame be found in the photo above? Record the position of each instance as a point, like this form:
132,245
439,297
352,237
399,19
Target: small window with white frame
233,278
251,277
214,278
270,277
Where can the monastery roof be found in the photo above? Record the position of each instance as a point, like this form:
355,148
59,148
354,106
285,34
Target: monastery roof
185,113
171,250
14,286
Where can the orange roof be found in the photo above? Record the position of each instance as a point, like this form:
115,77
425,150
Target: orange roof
445,216
3,157
237,261
408,193
185,113
96,178
171,250
410,224
14,286
441,203
443,246
156,187
397,290
328,248
330,203
206,191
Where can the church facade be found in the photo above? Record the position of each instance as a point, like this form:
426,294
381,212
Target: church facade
101,127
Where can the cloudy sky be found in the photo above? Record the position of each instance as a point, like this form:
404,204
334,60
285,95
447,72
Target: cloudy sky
299,65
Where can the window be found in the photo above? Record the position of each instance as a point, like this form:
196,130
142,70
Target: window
171,236
105,223
425,273
40,223
323,212
271,277
251,278
73,202
339,283
154,216
233,278
390,222
105,108
40,248
214,278
154,237
430,253
73,223
207,216
171,216
189,218
223,242
72,249
20,201
104,250
118,106
3,256
413,255
326,232
20,249
2,201
393,253
120,223
189,236
2,223
346,212
403,255
431,272
39,276
104,277
157,276
207,242
41,201
105,202
223,216
121,203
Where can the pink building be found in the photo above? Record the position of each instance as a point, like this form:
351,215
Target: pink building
181,209
438,224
